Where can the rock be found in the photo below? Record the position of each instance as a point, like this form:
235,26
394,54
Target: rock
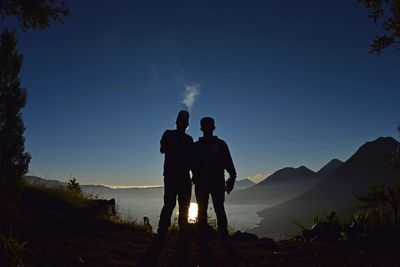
244,237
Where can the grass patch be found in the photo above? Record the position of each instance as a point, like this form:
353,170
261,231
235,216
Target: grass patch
12,251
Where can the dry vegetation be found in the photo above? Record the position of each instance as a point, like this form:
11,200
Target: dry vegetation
52,227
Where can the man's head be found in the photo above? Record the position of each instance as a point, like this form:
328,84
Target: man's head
207,125
182,121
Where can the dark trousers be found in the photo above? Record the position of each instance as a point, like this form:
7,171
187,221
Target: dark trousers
173,189
217,193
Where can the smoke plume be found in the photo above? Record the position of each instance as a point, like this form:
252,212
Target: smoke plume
191,92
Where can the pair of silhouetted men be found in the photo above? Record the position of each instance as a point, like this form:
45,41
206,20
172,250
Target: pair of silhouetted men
208,159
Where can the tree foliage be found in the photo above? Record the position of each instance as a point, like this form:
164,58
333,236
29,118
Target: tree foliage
34,13
14,161
74,186
389,12
382,204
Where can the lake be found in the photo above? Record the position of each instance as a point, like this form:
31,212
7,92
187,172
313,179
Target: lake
134,204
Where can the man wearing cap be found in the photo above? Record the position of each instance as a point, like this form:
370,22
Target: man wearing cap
177,147
212,158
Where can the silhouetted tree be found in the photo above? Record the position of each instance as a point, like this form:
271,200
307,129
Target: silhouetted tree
74,186
382,204
395,159
391,23
14,161
34,13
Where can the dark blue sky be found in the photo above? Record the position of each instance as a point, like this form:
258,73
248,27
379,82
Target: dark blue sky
289,83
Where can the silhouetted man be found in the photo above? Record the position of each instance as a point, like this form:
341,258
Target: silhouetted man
212,158
177,147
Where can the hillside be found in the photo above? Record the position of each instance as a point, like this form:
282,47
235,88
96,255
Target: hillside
47,230
243,184
102,191
367,166
279,186
329,167
41,181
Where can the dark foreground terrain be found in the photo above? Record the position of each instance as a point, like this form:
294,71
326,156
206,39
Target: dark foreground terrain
47,230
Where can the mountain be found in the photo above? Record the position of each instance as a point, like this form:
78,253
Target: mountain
243,184
367,166
329,167
41,181
280,186
288,175
54,183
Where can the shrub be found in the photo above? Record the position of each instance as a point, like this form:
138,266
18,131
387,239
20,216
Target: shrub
325,228
70,195
12,252
381,204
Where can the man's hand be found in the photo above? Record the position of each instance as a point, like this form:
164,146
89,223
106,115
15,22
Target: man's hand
230,183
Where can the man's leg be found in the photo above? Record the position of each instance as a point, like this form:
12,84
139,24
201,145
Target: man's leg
218,199
184,196
167,209
202,202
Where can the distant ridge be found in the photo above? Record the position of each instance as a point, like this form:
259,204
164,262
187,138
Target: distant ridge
243,184
51,183
279,186
329,167
367,166
288,175
42,181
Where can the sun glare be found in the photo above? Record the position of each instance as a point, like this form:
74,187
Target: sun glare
193,209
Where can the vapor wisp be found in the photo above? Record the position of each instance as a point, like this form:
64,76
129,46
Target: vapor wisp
191,93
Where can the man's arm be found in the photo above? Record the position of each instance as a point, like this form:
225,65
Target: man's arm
193,162
163,143
229,166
